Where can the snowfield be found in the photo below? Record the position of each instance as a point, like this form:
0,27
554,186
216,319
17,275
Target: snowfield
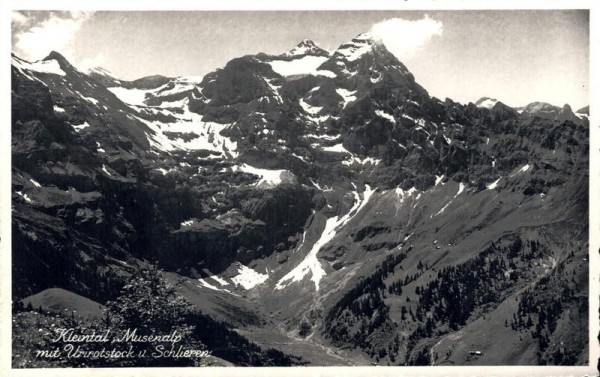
306,65
136,97
130,96
40,66
248,278
207,134
311,263
268,178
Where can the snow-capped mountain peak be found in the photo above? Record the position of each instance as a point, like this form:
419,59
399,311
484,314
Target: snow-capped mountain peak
366,37
357,47
306,48
486,102
304,59
536,107
101,71
41,66
64,64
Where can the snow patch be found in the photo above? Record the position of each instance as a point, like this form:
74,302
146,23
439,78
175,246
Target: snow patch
461,188
347,95
268,178
219,280
275,90
385,115
375,80
248,278
306,65
130,96
339,148
301,158
81,126
400,144
362,161
323,137
89,99
188,223
494,184
24,196
523,169
208,285
409,117
312,110
326,189
402,195
106,171
35,183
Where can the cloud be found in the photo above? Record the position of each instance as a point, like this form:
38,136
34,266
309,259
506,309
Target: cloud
19,19
404,37
54,31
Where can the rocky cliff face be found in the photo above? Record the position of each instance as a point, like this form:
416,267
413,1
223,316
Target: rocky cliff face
327,196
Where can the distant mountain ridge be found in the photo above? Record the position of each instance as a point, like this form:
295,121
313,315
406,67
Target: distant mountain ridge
542,109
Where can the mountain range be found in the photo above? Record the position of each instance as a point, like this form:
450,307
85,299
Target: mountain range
320,204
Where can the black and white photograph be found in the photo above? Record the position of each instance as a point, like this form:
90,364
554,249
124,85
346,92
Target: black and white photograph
300,188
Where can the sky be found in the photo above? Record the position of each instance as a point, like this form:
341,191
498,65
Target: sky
515,56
